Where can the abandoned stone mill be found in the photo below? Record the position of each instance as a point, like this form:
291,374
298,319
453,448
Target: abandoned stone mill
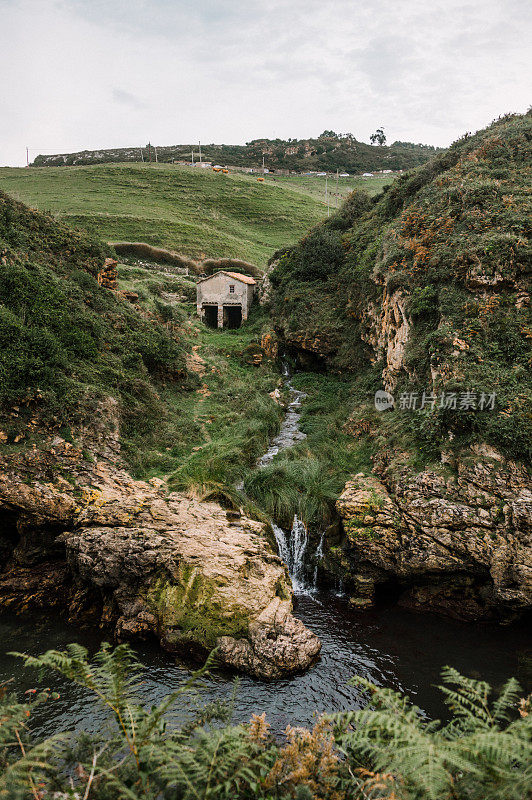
224,299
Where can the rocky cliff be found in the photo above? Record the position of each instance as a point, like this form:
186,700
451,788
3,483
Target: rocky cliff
456,542
424,293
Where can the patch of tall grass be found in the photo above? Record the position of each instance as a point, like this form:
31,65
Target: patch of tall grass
307,479
234,445
289,486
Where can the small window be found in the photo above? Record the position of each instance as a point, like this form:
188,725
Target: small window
232,289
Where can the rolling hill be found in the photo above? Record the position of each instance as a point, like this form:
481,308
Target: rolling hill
198,213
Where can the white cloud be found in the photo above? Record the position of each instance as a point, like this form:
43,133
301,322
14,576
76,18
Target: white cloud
78,74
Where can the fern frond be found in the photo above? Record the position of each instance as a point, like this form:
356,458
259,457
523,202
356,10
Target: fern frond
469,701
507,701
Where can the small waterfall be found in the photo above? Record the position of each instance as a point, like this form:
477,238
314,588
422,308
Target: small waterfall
283,547
298,548
292,550
318,557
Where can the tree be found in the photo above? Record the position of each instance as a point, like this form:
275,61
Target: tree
379,136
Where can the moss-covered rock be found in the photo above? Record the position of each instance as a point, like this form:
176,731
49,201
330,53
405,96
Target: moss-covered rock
189,613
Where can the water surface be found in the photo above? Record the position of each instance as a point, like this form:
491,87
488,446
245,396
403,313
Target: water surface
392,647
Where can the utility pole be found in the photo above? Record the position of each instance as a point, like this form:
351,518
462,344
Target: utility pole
155,154
263,169
336,204
327,195
193,158
141,155
27,156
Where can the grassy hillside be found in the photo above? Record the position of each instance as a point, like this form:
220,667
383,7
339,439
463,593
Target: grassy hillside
189,401
65,341
451,242
198,213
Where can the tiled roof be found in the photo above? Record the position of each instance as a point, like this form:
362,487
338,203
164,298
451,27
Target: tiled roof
240,277
236,275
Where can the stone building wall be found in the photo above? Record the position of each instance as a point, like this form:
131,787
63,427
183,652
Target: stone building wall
216,291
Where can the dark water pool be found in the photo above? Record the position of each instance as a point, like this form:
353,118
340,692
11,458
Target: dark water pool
392,647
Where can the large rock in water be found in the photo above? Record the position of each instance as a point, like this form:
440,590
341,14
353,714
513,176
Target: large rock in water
159,564
460,544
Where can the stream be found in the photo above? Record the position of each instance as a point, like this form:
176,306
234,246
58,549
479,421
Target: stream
292,546
389,645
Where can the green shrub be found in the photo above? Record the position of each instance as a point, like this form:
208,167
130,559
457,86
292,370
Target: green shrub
319,255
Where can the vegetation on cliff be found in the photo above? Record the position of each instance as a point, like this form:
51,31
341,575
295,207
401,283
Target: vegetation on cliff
387,750
449,244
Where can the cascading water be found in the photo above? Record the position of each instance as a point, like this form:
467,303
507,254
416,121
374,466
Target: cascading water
283,546
289,432
292,547
317,558
298,549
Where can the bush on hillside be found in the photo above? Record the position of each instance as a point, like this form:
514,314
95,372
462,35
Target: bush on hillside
318,256
63,338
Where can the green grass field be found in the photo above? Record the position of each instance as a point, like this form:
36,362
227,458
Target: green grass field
314,186
198,213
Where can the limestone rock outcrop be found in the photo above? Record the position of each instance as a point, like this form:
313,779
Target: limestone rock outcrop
277,643
386,328
145,561
458,543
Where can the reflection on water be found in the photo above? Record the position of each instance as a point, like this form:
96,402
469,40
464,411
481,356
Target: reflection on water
391,647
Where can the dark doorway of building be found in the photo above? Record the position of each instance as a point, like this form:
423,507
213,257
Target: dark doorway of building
210,316
232,316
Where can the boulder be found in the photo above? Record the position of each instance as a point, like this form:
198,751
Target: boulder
162,564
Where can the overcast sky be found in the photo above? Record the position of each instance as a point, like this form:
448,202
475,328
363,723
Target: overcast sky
87,74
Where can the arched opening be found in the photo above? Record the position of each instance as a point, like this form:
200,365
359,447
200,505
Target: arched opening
232,316
210,316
